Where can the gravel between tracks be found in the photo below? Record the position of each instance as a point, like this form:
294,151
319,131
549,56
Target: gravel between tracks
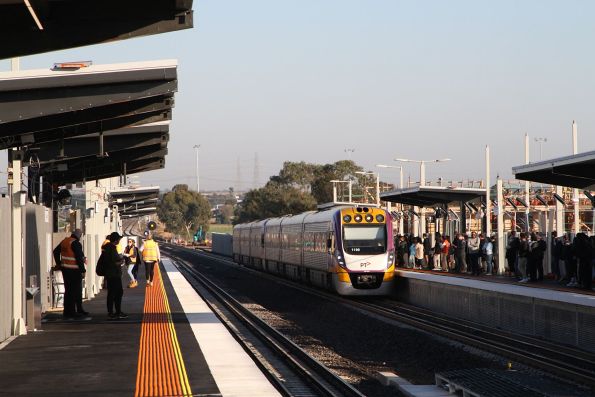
354,345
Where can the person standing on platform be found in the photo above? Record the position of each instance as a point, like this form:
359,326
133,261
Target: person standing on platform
523,257
113,277
512,253
473,247
132,259
150,255
569,262
70,259
460,253
488,252
445,253
584,255
537,248
437,250
402,252
419,253
427,243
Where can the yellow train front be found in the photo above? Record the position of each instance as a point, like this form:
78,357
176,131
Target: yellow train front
364,253
346,249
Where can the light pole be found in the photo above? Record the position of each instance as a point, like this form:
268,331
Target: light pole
422,167
334,182
422,182
349,152
541,141
196,147
400,167
377,183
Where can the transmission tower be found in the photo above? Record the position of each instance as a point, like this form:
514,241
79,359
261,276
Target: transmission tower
256,172
238,175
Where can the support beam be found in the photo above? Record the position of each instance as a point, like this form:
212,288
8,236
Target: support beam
18,282
500,225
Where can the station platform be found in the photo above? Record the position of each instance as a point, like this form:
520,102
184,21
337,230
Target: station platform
544,309
171,344
544,289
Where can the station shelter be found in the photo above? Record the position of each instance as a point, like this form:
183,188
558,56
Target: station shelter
73,132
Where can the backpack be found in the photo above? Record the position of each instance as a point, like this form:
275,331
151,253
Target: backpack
101,265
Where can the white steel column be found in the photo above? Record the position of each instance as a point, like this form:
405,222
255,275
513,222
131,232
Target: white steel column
560,226
422,210
527,185
500,221
488,213
575,194
18,283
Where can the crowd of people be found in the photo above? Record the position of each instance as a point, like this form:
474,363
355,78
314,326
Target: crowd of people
71,261
465,253
477,254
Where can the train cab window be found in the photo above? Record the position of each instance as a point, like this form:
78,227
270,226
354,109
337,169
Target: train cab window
364,239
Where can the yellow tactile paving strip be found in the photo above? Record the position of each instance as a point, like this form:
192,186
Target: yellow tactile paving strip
161,370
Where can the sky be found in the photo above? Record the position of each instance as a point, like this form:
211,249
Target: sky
267,81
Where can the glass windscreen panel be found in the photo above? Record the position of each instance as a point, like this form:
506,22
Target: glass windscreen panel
364,239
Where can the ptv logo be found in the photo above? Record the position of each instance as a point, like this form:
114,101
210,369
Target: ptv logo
364,264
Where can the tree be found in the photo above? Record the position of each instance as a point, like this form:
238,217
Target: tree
183,210
273,200
322,188
300,186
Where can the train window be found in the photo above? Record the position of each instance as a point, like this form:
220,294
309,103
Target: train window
364,239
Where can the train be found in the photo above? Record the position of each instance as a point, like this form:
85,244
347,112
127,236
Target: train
346,249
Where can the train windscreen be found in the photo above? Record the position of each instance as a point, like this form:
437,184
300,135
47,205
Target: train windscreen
364,239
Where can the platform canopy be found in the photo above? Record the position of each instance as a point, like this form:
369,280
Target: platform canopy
91,123
430,196
577,171
36,26
133,202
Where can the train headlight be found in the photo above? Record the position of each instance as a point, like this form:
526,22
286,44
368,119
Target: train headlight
347,218
369,218
380,218
358,218
390,259
340,260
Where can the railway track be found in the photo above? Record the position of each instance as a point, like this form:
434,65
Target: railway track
564,362
313,378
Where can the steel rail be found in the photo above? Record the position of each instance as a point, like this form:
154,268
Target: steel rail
318,376
559,360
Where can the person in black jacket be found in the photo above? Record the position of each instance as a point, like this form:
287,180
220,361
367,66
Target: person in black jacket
113,277
537,249
584,254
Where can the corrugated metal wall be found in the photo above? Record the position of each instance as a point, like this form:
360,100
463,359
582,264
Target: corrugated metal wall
5,269
553,321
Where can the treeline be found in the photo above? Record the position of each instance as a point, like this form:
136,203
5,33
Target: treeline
300,187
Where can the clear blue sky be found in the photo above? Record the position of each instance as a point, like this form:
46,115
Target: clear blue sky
303,80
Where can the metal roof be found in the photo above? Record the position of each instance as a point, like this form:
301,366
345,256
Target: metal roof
93,146
576,171
50,25
429,196
88,123
43,106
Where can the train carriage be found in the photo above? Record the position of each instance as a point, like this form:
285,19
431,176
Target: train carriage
347,249
256,242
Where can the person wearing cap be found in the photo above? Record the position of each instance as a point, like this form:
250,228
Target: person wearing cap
151,255
70,259
113,277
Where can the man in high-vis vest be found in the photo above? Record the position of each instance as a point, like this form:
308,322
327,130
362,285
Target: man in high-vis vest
70,259
151,255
